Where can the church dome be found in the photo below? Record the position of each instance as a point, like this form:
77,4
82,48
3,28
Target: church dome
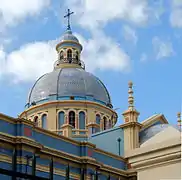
64,83
68,36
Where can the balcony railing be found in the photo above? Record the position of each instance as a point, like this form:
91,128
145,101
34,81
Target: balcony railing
69,61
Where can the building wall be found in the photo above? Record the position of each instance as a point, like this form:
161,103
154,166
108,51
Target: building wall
110,136
46,144
164,172
157,161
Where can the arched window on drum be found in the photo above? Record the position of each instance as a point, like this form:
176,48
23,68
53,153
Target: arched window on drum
35,120
81,120
60,119
44,121
61,55
109,124
98,119
69,55
72,118
105,123
77,55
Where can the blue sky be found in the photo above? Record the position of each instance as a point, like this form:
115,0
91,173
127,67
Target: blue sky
123,40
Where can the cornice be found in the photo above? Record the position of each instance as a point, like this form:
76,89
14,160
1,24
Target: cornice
156,160
88,144
153,119
8,118
69,103
28,141
60,154
110,154
55,135
129,111
173,144
131,124
7,138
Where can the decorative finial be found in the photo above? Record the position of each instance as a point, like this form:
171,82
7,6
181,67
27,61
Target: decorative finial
179,119
130,97
68,16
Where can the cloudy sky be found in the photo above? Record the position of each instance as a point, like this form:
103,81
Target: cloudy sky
138,40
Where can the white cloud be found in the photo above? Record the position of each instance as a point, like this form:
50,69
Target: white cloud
175,18
29,62
130,34
11,12
162,49
34,59
2,60
176,3
176,13
93,13
102,52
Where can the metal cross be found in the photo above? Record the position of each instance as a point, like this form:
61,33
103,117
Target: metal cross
68,16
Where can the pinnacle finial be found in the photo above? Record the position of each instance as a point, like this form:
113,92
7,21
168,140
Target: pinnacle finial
130,94
179,118
68,16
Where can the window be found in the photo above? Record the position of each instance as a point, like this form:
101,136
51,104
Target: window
98,119
82,120
72,97
69,55
36,121
110,124
77,56
105,123
61,55
44,121
72,118
60,119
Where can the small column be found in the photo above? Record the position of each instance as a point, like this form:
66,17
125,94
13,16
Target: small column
76,121
66,121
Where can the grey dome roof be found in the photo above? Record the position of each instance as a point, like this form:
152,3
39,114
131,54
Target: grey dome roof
68,36
148,133
66,82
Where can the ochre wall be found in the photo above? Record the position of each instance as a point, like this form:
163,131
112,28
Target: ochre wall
52,110
165,172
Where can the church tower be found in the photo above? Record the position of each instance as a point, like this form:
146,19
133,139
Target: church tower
69,49
131,126
69,100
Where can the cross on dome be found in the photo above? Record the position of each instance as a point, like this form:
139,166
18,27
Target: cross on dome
68,16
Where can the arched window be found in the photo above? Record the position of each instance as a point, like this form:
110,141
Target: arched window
44,121
98,119
109,123
69,55
36,121
82,120
77,56
60,119
105,123
61,55
72,118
